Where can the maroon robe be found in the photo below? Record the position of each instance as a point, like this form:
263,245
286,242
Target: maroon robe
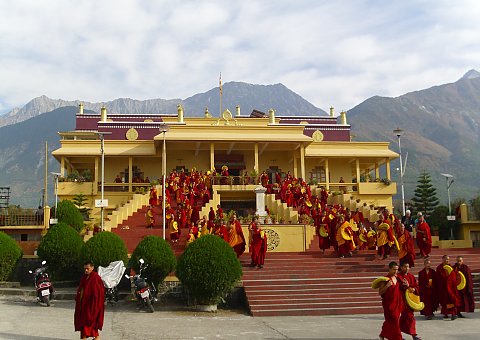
449,298
428,291
407,319
467,302
424,239
258,247
392,304
89,305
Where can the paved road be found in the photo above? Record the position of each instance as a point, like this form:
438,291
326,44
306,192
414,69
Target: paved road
22,319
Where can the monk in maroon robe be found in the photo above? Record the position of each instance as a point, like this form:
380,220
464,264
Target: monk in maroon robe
407,250
427,285
407,318
258,245
89,304
392,304
424,238
467,302
447,289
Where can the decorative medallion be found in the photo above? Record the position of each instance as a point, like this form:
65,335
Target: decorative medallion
317,136
273,239
131,134
303,122
148,121
227,115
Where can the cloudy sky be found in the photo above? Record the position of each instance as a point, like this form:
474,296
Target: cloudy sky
330,52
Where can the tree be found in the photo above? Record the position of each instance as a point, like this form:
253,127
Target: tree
105,247
69,214
425,199
62,248
10,254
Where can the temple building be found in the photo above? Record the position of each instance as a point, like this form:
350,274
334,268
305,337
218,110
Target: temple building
318,149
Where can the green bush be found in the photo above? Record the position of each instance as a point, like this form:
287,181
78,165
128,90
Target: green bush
159,256
208,269
10,253
69,214
105,247
62,248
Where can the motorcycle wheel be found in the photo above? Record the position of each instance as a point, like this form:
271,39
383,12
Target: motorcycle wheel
46,300
149,305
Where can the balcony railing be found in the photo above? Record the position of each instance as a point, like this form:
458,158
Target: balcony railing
20,217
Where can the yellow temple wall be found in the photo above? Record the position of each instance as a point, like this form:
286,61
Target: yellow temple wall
188,159
339,168
287,238
113,167
276,158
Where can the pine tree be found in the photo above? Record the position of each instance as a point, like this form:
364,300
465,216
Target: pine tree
425,199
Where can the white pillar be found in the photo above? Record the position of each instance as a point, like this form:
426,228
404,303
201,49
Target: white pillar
260,199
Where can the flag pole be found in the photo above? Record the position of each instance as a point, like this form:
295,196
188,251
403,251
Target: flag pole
221,92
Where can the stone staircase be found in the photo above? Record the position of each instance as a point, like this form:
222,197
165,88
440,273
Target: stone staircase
311,283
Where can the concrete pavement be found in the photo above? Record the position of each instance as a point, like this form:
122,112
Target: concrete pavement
23,319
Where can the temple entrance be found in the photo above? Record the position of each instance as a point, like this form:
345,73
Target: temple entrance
234,162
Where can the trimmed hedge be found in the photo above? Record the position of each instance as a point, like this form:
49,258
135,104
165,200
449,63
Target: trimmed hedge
10,253
209,269
105,247
69,214
159,256
62,248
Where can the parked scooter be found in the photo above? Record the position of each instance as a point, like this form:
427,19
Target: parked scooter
147,293
111,277
43,285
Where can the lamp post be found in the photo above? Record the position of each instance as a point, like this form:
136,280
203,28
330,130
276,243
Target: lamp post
56,175
101,135
164,130
449,181
399,133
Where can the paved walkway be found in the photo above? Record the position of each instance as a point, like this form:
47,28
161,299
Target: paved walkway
23,319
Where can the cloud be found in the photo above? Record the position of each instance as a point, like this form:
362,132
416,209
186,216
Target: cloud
330,53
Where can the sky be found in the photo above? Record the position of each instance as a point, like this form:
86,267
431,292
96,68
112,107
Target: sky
332,53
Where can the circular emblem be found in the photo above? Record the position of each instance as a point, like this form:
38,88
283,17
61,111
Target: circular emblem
303,122
273,239
227,115
317,136
131,134
148,121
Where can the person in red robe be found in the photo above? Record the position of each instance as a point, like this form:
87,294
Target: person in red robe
235,236
219,212
407,250
407,318
153,200
447,289
89,303
324,241
427,286
424,238
221,231
467,302
392,304
344,237
258,244
385,238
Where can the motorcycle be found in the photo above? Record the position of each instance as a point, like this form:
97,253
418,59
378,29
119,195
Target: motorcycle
43,285
111,276
144,292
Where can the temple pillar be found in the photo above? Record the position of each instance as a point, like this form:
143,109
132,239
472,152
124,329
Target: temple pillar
387,164
130,174
212,156
295,165
327,175
62,166
357,164
95,172
256,158
377,171
260,200
302,161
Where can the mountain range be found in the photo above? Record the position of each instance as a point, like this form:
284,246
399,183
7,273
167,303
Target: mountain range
441,128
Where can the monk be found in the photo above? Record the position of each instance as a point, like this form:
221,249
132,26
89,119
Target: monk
447,289
153,200
407,250
149,217
385,238
174,232
235,236
407,318
424,238
324,241
392,304
467,302
427,285
344,238
258,244
89,303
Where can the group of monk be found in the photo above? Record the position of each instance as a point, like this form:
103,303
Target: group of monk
440,287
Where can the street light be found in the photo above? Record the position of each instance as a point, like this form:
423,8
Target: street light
399,133
56,175
164,130
449,180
